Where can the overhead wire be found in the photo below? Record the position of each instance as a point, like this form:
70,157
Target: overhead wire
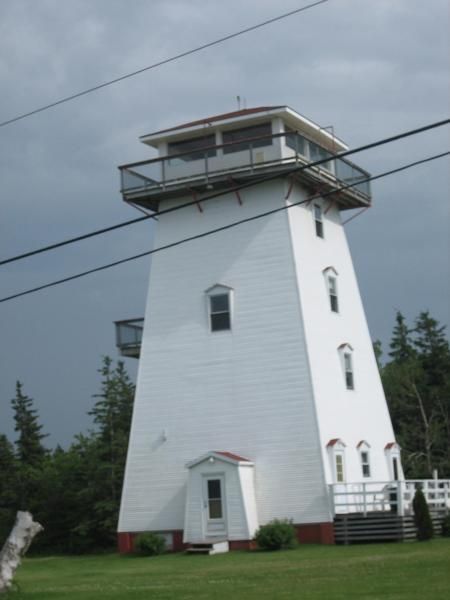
222,228
238,187
160,63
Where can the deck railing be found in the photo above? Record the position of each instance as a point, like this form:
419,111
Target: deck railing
251,154
394,496
129,336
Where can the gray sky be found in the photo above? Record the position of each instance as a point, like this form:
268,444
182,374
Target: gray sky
370,68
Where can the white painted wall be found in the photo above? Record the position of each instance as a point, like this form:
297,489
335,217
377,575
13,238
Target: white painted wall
351,415
247,391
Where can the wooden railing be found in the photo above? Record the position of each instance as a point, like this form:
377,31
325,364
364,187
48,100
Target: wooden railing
393,496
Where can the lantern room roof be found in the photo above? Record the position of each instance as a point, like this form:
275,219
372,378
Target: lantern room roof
249,116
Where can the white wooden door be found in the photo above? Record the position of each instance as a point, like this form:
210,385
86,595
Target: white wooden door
214,515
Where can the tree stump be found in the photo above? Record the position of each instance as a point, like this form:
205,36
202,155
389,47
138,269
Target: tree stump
15,547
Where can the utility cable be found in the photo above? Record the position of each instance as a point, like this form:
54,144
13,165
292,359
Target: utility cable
222,228
78,238
217,194
161,63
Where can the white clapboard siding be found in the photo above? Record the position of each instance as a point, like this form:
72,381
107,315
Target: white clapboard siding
247,391
351,415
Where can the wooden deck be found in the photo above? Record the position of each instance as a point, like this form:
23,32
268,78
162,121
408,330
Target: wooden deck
384,526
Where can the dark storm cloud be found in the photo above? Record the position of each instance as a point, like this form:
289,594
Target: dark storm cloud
368,68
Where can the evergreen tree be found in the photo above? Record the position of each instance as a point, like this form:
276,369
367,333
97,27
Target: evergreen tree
402,348
422,517
417,387
434,357
8,487
112,415
30,453
29,448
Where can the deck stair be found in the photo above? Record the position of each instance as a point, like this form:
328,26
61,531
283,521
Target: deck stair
208,547
380,526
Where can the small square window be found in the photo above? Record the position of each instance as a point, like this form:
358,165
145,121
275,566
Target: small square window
219,306
318,220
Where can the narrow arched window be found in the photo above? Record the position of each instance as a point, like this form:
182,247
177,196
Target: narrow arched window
364,457
331,275
336,453
346,357
318,220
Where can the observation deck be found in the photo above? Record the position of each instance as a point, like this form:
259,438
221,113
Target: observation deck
129,337
225,151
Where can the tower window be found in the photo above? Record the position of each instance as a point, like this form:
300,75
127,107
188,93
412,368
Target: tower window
318,220
365,464
236,138
346,356
332,291
193,148
219,305
348,366
336,453
339,465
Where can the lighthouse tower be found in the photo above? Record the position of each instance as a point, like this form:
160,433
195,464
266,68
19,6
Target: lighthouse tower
257,390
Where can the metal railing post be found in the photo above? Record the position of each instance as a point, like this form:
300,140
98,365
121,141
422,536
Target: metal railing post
250,147
206,167
163,173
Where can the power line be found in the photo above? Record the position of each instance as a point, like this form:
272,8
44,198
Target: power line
161,63
78,238
222,228
96,232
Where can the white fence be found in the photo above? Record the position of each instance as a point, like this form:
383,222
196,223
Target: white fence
393,496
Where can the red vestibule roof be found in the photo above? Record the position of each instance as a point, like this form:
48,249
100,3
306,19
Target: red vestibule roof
235,457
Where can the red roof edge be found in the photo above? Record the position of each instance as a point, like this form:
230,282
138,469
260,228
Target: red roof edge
334,441
390,445
235,457
237,113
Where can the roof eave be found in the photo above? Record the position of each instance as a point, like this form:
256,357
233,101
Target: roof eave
153,139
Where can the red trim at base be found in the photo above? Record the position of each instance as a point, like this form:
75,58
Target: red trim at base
125,542
178,544
315,533
242,545
308,533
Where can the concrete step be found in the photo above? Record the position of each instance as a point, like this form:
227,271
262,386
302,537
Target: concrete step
208,547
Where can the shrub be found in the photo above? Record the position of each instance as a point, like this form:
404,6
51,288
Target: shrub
422,517
149,544
276,535
446,526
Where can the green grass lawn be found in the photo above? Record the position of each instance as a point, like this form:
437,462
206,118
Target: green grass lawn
406,571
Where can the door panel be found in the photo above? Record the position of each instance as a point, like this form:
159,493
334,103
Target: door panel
213,505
